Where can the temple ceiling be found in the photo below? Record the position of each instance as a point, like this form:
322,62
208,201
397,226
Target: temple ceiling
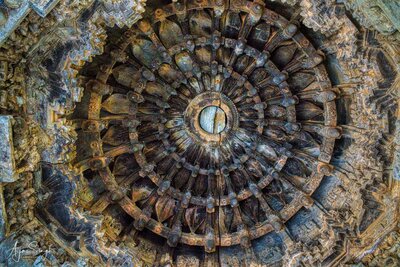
199,133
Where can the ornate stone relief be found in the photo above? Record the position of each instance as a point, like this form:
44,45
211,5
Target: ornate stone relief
200,133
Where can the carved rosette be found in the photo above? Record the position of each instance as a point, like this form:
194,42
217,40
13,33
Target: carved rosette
140,129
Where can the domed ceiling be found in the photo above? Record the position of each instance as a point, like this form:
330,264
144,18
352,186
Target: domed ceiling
203,133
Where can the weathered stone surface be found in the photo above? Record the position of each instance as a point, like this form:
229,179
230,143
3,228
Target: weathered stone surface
382,15
7,164
330,145
13,19
43,7
3,215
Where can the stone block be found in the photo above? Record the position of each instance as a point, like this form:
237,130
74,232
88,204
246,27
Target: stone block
43,7
7,164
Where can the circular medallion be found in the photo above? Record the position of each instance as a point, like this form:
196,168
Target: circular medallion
212,119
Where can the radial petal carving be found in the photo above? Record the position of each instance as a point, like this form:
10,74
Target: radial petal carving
218,123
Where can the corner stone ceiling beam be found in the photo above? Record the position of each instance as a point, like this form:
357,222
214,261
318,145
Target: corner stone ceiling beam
13,12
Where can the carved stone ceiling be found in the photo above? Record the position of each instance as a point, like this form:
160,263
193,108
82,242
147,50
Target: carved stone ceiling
199,133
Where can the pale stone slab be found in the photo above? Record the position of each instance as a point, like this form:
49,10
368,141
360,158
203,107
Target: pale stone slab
7,164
